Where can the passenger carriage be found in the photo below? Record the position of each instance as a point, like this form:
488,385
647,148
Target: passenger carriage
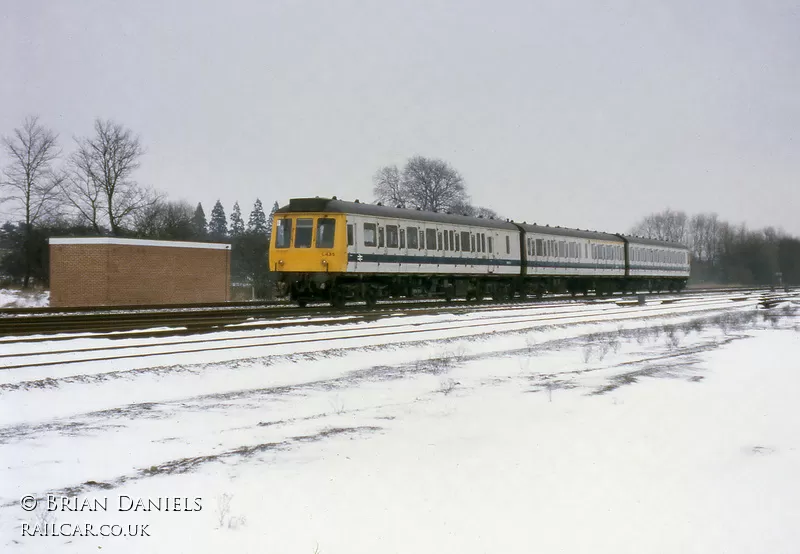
657,265
556,259
333,250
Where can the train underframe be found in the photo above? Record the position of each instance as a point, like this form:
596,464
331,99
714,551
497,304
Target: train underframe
338,289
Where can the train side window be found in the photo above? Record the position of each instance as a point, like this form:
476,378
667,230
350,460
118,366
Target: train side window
370,234
350,236
483,242
430,239
539,247
452,236
381,235
326,229
490,245
402,238
421,239
457,241
472,242
465,241
585,250
439,241
284,239
391,236
508,244
446,241
412,237
304,232
528,246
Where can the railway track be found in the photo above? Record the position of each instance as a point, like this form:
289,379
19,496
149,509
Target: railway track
190,319
26,355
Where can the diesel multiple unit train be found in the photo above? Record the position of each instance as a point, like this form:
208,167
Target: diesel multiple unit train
334,251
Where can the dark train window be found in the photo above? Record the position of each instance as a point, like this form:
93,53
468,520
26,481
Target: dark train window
303,233
465,241
430,239
421,239
370,234
472,242
456,243
528,246
585,250
284,239
483,242
391,236
439,244
452,234
508,244
412,237
381,235
402,238
446,241
539,247
490,245
326,228
350,236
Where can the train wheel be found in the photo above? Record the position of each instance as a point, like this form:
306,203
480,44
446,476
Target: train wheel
302,303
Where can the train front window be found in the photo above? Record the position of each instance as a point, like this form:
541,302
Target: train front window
303,233
284,239
325,231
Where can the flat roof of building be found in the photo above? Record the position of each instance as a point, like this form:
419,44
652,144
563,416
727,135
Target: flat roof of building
139,242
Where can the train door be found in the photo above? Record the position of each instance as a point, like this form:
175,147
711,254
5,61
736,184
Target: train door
491,251
352,244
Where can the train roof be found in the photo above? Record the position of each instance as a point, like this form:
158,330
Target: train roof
653,242
333,205
565,232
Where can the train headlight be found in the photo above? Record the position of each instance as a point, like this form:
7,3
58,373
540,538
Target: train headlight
280,262
324,262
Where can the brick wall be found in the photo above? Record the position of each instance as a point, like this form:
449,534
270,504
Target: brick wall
127,272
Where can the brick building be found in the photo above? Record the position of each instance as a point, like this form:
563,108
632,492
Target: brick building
115,272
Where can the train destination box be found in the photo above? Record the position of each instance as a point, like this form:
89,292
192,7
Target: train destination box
110,271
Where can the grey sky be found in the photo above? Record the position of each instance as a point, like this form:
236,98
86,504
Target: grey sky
584,114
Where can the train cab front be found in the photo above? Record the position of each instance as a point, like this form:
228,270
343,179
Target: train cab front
308,252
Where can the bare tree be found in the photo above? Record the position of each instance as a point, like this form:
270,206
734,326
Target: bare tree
432,185
80,191
388,186
166,220
29,178
102,169
667,225
424,184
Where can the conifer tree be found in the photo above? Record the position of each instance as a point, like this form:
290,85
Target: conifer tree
218,226
274,209
199,226
258,221
237,223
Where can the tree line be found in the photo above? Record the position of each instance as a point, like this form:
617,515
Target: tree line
726,253
92,192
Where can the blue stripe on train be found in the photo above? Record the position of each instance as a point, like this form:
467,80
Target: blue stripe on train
445,260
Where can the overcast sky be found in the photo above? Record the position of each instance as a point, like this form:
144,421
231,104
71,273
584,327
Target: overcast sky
585,114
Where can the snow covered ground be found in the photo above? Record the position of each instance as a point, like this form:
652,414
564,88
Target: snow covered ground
14,298
671,431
